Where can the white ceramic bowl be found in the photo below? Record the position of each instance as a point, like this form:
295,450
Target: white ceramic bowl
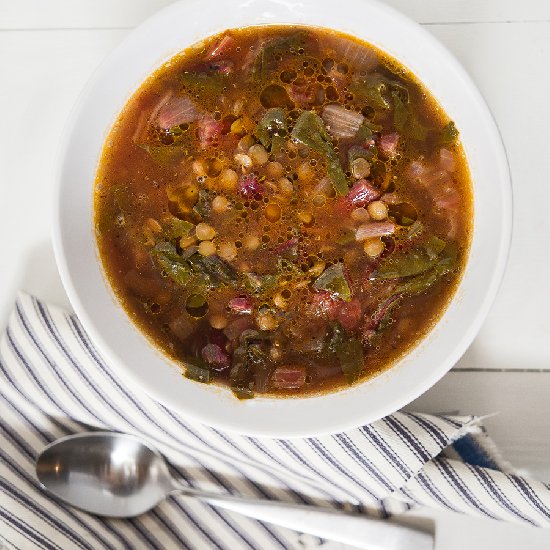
128,351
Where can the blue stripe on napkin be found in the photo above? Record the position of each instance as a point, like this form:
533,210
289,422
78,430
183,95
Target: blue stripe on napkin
53,382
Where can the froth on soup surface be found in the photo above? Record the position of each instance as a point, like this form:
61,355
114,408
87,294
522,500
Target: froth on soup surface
283,210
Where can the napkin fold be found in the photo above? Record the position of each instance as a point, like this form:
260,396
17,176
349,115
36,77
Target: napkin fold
54,382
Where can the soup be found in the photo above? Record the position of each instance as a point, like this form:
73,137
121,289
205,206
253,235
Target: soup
283,210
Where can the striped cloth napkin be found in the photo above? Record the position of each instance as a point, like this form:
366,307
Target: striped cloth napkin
53,382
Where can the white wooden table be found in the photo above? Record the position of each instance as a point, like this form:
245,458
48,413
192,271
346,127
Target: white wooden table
48,48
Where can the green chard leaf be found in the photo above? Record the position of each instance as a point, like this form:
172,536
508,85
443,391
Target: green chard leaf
197,370
310,130
434,254
117,202
268,56
246,359
350,354
448,134
400,89
196,271
416,130
272,128
203,206
415,229
404,264
418,284
337,337
404,118
400,112
356,151
242,391
348,350
387,319
334,281
258,284
167,251
179,228
345,236
207,83
337,175
366,131
165,154
217,270
445,263
373,90
449,257
403,213
172,263
434,246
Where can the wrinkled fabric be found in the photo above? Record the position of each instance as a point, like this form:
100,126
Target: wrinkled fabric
54,382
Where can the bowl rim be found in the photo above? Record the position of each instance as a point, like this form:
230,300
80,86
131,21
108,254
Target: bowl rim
329,426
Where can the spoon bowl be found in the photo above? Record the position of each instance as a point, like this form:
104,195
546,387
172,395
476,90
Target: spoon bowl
119,475
105,473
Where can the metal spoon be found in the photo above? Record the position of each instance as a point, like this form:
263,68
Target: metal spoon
118,475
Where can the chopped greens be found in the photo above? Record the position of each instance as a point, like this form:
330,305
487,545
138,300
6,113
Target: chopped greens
415,229
419,284
179,228
337,336
423,265
217,270
419,270
416,130
272,128
240,377
275,203
366,131
350,355
404,264
372,89
348,351
400,112
386,317
434,246
197,370
175,267
403,214
449,256
258,284
448,134
165,154
334,281
248,357
267,56
209,83
201,271
203,206
357,152
120,203
405,120
310,130
424,281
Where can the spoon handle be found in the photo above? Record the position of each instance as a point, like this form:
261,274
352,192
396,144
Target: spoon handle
347,527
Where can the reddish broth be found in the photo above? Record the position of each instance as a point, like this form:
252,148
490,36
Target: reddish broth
283,210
